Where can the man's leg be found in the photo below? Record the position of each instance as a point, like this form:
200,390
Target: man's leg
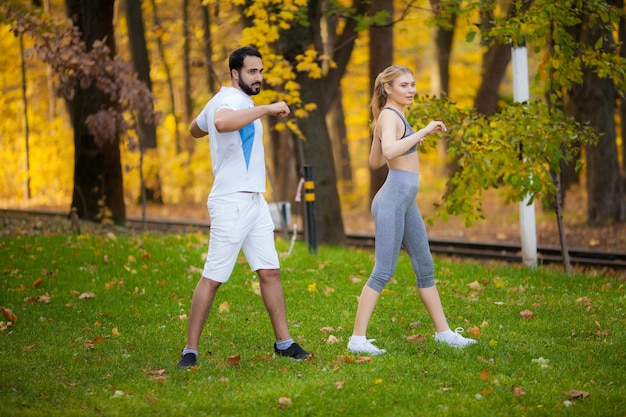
274,299
201,302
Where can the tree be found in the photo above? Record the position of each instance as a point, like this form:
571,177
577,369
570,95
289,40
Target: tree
593,101
316,146
141,64
98,190
99,89
381,56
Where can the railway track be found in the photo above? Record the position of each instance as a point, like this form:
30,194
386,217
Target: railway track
457,248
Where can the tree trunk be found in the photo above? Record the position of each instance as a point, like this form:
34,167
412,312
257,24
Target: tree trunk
335,117
141,65
336,120
381,56
495,61
444,37
317,148
25,122
98,188
622,53
168,73
207,47
443,40
593,102
187,102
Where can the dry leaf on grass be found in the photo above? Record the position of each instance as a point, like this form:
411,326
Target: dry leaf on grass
577,394
474,331
416,338
86,295
9,315
233,360
284,402
224,307
527,314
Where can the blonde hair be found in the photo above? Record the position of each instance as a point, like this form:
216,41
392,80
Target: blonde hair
379,97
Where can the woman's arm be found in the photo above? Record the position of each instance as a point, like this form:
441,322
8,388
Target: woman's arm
392,128
377,159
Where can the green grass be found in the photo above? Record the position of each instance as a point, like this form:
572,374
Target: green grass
115,354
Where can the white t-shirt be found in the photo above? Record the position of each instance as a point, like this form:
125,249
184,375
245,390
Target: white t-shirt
237,157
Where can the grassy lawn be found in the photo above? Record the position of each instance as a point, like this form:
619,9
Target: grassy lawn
101,319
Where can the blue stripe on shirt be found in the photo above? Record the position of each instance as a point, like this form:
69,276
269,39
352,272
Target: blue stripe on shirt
247,139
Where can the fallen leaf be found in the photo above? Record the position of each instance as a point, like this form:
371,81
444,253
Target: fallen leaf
150,399
224,307
362,359
115,332
328,290
577,394
498,282
37,282
327,329
86,295
284,402
474,285
9,315
415,324
233,360
355,280
484,375
339,384
527,314
416,338
332,339
118,394
39,299
518,392
312,287
378,381
474,331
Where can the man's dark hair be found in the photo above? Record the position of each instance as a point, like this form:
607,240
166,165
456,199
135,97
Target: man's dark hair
237,57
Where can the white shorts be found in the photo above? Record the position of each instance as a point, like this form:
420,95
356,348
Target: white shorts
239,221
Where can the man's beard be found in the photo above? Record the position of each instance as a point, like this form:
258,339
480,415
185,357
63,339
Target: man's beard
248,89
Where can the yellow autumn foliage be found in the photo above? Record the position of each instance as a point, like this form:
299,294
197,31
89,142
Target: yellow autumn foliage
183,165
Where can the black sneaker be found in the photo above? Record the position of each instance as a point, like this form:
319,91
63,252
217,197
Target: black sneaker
294,352
187,360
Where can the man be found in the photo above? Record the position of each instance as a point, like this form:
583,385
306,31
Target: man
240,217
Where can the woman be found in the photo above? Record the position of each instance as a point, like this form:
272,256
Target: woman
396,215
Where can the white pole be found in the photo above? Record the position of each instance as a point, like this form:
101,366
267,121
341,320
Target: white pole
528,232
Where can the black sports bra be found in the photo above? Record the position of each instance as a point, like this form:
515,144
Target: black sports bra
408,129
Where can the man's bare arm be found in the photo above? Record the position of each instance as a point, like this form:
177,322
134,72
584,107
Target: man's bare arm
227,120
195,131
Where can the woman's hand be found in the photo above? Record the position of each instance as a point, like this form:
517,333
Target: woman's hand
435,126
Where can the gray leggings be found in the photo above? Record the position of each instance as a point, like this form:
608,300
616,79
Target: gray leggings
399,222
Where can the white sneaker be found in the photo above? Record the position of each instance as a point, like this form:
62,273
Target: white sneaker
364,347
455,340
